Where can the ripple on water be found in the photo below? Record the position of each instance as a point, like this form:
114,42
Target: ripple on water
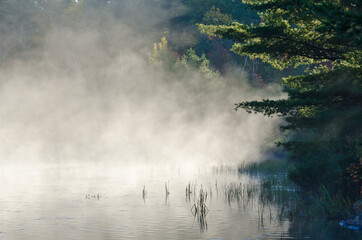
56,209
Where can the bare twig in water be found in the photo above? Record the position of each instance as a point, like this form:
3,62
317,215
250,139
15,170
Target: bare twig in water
144,192
167,189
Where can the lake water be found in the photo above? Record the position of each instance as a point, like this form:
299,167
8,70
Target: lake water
108,202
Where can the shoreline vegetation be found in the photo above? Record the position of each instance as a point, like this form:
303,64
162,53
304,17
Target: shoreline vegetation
305,204
322,114
297,61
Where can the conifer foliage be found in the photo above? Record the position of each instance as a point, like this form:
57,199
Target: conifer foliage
323,111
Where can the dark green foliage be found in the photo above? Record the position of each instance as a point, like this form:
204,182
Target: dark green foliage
323,111
182,26
236,9
214,16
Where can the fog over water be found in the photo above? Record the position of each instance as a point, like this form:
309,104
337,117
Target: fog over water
90,94
97,141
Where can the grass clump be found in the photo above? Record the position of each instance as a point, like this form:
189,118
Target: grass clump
200,210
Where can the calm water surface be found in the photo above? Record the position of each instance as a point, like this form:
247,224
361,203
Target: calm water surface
107,202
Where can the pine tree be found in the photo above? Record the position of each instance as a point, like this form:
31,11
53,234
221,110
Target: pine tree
323,111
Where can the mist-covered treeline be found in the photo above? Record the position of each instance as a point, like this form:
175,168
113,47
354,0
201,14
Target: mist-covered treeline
26,25
137,80
114,81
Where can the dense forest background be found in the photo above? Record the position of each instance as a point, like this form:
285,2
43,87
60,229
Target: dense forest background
26,26
313,49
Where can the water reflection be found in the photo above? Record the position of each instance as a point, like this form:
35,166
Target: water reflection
167,193
144,194
148,202
199,209
93,196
